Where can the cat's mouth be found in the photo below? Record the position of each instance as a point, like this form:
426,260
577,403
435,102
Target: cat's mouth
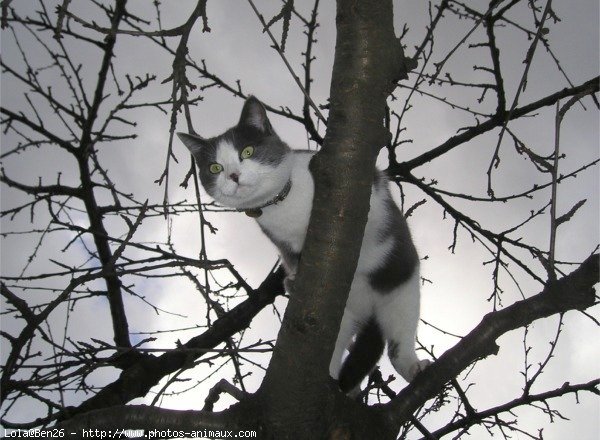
236,189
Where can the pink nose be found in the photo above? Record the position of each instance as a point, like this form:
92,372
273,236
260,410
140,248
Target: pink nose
235,177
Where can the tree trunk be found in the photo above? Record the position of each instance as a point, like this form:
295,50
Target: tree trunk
298,397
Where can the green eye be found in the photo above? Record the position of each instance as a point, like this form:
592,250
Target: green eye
247,152
215,168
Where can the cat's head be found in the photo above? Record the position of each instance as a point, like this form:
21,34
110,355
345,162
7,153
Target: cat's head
247,165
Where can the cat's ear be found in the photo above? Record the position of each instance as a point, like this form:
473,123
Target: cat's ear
194,142
255,115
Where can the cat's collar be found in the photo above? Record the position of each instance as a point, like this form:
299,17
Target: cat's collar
257,212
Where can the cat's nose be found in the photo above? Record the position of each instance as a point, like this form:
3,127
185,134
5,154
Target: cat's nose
235,177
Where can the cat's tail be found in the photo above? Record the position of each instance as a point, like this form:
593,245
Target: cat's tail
364,354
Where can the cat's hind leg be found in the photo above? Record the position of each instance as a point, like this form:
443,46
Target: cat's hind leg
363,356
398,316
348,328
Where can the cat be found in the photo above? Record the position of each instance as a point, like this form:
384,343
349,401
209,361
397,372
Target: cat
249,168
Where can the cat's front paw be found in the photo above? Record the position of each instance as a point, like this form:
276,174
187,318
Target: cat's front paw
417,367
289,282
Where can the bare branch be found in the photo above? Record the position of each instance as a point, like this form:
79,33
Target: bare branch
573,292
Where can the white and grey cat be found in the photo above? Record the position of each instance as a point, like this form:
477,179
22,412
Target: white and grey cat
251,169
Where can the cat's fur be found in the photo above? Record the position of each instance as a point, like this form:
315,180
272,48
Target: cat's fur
383,304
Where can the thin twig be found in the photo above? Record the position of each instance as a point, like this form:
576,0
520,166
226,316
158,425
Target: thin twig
287,64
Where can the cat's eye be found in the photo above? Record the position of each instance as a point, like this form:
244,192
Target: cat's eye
247,152
215,168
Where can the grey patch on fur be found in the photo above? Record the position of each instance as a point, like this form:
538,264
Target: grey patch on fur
362,357
204,152
401,261
380,180
393,349
254,115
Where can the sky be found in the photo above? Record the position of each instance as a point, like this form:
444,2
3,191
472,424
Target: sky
456,298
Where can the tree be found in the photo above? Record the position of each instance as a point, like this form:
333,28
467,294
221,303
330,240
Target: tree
74,94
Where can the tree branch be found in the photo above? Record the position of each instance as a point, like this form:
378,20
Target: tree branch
39,129
572,292
591,86
147,371
54,190
151,417
478,416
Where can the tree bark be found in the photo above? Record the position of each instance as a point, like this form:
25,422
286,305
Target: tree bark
299,398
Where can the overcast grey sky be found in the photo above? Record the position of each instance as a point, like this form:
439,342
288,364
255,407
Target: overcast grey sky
456,299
